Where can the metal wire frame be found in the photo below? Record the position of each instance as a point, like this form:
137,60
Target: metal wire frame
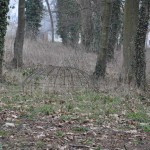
58,77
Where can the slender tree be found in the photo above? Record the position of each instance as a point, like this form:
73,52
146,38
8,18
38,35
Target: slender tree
34,13
19,39
51,18
129,33
3,28
140,65
100,68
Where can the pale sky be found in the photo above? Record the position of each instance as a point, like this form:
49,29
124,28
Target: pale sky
13,13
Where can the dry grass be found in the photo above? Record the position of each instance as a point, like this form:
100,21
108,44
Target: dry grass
117,107
46,53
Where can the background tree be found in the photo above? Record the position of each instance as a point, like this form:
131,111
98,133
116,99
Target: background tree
140,64
97,14
19,39
3,28
100,68
34,13
129,33
51,19
86,23
68,21
115,25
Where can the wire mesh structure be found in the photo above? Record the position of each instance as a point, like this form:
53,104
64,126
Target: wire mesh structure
56,78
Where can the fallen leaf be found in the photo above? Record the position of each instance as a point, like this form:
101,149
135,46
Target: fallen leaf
9,124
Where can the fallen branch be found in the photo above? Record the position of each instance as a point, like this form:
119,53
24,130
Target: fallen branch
125,147
80,146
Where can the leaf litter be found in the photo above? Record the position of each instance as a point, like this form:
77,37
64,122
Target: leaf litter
27,125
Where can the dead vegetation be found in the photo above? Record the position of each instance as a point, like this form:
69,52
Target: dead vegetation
38,54
115,116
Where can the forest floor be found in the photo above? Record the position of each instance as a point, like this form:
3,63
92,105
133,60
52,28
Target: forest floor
79,120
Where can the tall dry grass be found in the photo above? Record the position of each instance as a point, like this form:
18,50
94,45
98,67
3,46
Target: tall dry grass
46,53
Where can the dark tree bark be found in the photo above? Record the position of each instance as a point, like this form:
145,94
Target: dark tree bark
100,68
51,19
129,33
140,64
115,25
19,40
97,13
86,24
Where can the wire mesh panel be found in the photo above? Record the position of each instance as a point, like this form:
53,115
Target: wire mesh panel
56,78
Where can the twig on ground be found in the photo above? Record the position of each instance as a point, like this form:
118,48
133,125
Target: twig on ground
80,146
125,147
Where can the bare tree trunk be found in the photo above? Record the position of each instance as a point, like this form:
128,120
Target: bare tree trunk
140,67
115,25
86,23
129,33
100,68
19,40
97,13
51,19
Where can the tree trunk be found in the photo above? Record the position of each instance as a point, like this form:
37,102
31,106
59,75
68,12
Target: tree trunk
19,40
115,25
129,33
3,28
97,13
51,19
100,68
86,24
142,28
